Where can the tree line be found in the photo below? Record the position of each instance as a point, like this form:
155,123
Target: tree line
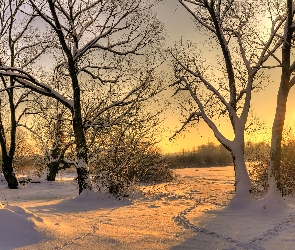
207,155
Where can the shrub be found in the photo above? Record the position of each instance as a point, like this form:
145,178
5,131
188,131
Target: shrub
119,170
257,156
259,176
33,164
260,161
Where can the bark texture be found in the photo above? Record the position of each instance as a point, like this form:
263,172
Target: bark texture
7,156
80,141
8,172
282,97
53,168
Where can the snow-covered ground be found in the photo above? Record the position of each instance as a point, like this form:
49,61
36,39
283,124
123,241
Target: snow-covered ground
187,214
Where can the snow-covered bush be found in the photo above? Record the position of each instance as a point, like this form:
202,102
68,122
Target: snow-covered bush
259,161
118,171
259,176
29,164
257,156
288,165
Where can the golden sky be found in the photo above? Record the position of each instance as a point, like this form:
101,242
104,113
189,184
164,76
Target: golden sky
179,26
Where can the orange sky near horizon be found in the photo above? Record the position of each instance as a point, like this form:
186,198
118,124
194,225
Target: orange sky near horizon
263,104
179,26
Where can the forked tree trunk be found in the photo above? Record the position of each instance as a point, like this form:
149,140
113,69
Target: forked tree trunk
8,172
80,141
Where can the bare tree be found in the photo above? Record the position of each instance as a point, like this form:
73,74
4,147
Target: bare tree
15,43
85,30
287,81
225,89
106,107
51,129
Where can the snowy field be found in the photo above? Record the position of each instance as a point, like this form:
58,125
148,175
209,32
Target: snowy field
186,214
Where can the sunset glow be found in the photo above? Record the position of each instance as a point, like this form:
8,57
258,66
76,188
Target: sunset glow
147,124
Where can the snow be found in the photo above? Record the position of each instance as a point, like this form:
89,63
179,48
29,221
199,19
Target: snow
17,227
190,213
2,179
28,81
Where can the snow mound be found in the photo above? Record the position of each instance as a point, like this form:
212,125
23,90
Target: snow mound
44,175
2,177
94,200
24,213
17,228
272,202
87,201
36,179
240,202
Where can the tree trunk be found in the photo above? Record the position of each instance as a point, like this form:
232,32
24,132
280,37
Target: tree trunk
81,152
7,158
274,171
242,179
273,197
243,186
277,135
80,140
8,172
53,168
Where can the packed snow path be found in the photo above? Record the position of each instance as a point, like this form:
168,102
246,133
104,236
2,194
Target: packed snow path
187,214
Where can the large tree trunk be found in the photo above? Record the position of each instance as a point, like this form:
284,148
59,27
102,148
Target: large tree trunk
274,171
277,134
81,152
243,186
53,168
273,197
80,140
242,179
8,172
7,158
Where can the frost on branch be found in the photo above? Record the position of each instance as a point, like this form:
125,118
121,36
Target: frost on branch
244,51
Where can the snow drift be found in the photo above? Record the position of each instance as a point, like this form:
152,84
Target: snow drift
17,227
